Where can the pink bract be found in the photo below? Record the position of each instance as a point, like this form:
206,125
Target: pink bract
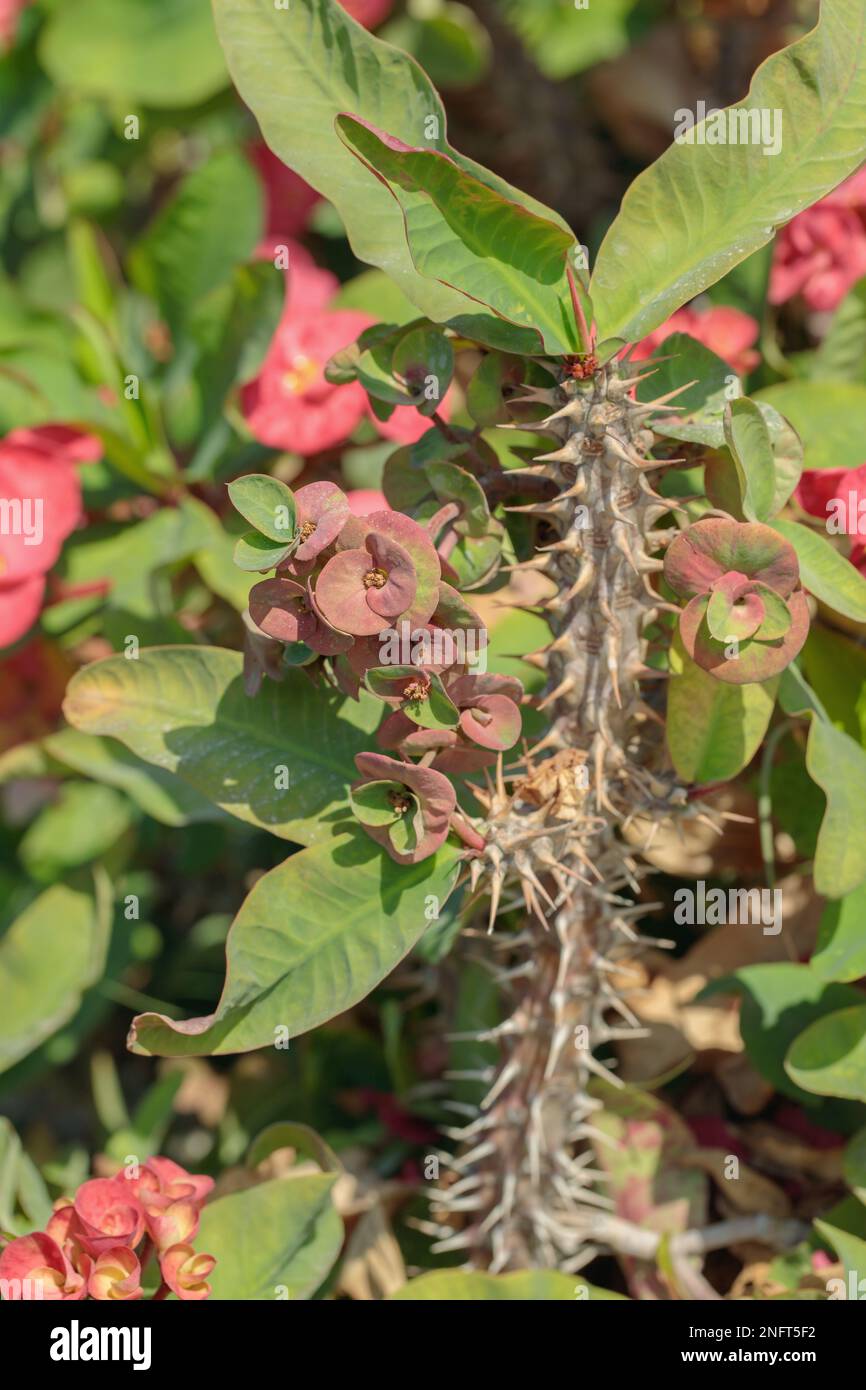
430,797
709,549
39,484
361,591
818,488
109,1215
363,501
115,1276
35,1267
821,253
281,609
322,513
186,1272
10,10
290,405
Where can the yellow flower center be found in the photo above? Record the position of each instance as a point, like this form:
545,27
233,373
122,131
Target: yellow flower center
301,375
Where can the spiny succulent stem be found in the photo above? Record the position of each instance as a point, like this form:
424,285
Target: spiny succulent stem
553,830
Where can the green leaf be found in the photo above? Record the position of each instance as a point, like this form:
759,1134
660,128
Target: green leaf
162,54
128,557
297,69
708,380
838,765
703,208
225,340
841,950
851,1249
420,354
842,354
449,42
255,554
829,1059
714,729
779,1000
824,572
565,40
274,1241
83,823
836,669
854,1166
21,1187
375,293
829,417
158,793
49,957
209,227
434,711
528,1286
184,709
484,393
267,504
286,1134
470,237
38,387
314,936
748,438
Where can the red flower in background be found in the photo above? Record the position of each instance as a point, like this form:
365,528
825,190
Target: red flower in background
32,685
818,490
289,200
40,504
368,12
290,405
821,254
9,13
726,331
88,1248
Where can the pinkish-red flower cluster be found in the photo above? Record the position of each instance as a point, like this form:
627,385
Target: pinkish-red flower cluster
40,503
726,331
98,1244
290,405
821,253
838,497
367,592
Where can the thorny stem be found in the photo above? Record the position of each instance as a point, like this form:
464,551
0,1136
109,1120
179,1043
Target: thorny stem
636,1241
555,842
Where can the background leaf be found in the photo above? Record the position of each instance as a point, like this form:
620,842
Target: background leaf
297,69
528,1286
779,1000
830,1057
184,709
730,198
313,937
829,417
209,227
841,950
49,956
714,729
467,235
163,53
838,765
824,572
276,1240
158,793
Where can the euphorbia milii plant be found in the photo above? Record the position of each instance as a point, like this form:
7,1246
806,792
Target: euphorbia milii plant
616,458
